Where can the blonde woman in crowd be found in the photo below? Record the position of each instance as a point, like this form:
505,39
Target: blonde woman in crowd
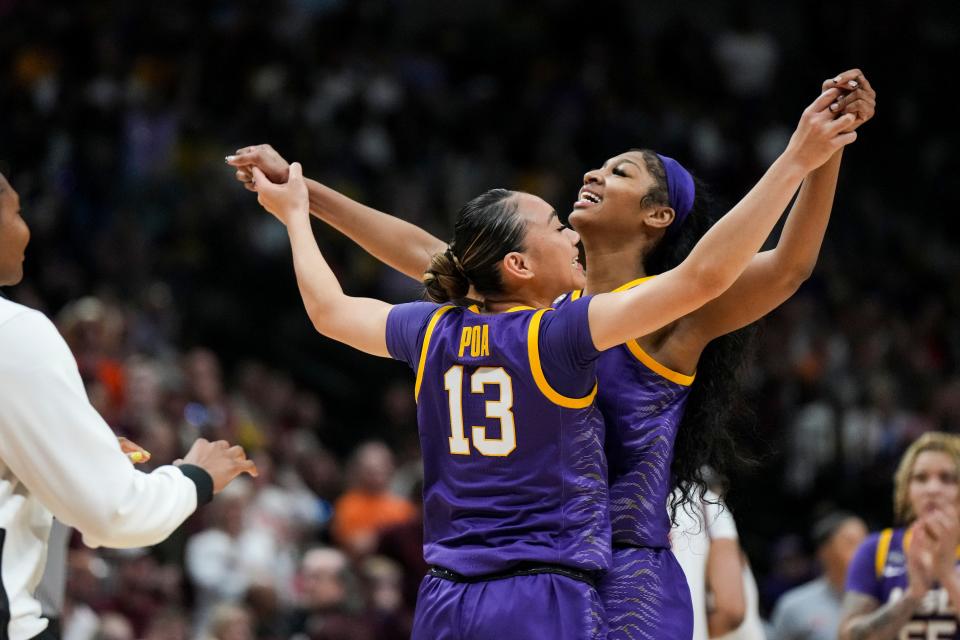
903,581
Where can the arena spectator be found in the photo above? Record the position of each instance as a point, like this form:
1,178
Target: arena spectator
368,505
813,611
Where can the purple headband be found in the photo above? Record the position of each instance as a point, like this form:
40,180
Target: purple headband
680,189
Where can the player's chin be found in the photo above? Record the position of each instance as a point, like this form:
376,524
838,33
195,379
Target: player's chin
579,280
582,216
12,276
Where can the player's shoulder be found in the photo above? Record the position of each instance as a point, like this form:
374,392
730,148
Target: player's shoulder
890,538
27,330
10,310
15,317
877,550
869,544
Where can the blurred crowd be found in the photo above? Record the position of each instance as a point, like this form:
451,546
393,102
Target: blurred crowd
177,297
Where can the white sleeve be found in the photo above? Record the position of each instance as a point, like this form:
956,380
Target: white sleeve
720,524
59,447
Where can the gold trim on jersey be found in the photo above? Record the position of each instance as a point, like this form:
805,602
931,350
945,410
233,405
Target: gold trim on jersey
533,351
426,345
631,284
576,294
883,548
664,372
645,358
476,308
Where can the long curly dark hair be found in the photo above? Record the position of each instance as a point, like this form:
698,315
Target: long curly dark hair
706,437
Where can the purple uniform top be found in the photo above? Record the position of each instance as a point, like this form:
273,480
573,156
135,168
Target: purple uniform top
512,441
879,570
642,403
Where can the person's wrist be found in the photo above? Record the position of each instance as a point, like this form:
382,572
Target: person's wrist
201,479
791,163
299,215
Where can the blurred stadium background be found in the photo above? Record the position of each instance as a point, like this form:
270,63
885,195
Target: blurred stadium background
177,296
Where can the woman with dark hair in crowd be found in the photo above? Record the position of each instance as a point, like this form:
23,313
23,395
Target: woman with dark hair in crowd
903,582
543,513
641,214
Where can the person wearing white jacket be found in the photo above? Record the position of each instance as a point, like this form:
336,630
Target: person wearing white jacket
58,458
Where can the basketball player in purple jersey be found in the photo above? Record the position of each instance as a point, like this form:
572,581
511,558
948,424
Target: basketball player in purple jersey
516,516
641,213
903,582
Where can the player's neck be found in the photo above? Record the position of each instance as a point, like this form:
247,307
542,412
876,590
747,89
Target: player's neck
608,267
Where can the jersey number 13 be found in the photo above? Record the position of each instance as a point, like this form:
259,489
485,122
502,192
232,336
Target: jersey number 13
500,409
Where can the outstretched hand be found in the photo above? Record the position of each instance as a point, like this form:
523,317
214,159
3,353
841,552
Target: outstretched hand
856,97
819,134
220,460
265,158
282,200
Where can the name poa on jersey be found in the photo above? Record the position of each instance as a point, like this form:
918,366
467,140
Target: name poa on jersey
475,341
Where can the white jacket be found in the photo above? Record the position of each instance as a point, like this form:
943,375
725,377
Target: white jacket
59,458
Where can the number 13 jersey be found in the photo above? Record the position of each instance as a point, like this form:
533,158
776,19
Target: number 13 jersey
512,442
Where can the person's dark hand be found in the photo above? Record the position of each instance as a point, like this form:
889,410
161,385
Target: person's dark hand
856,96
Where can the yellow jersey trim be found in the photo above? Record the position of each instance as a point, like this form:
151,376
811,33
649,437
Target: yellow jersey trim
883,548
578,293
634,347
664,372
476,309
533,350
426,345
632,284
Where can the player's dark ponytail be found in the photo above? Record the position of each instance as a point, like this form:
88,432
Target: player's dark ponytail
445,279
487,229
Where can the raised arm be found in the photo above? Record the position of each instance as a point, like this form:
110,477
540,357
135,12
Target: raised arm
773,276
358,322
395,242
727,249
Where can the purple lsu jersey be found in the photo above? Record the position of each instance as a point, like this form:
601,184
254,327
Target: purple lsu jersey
879,570
511,439
642,403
